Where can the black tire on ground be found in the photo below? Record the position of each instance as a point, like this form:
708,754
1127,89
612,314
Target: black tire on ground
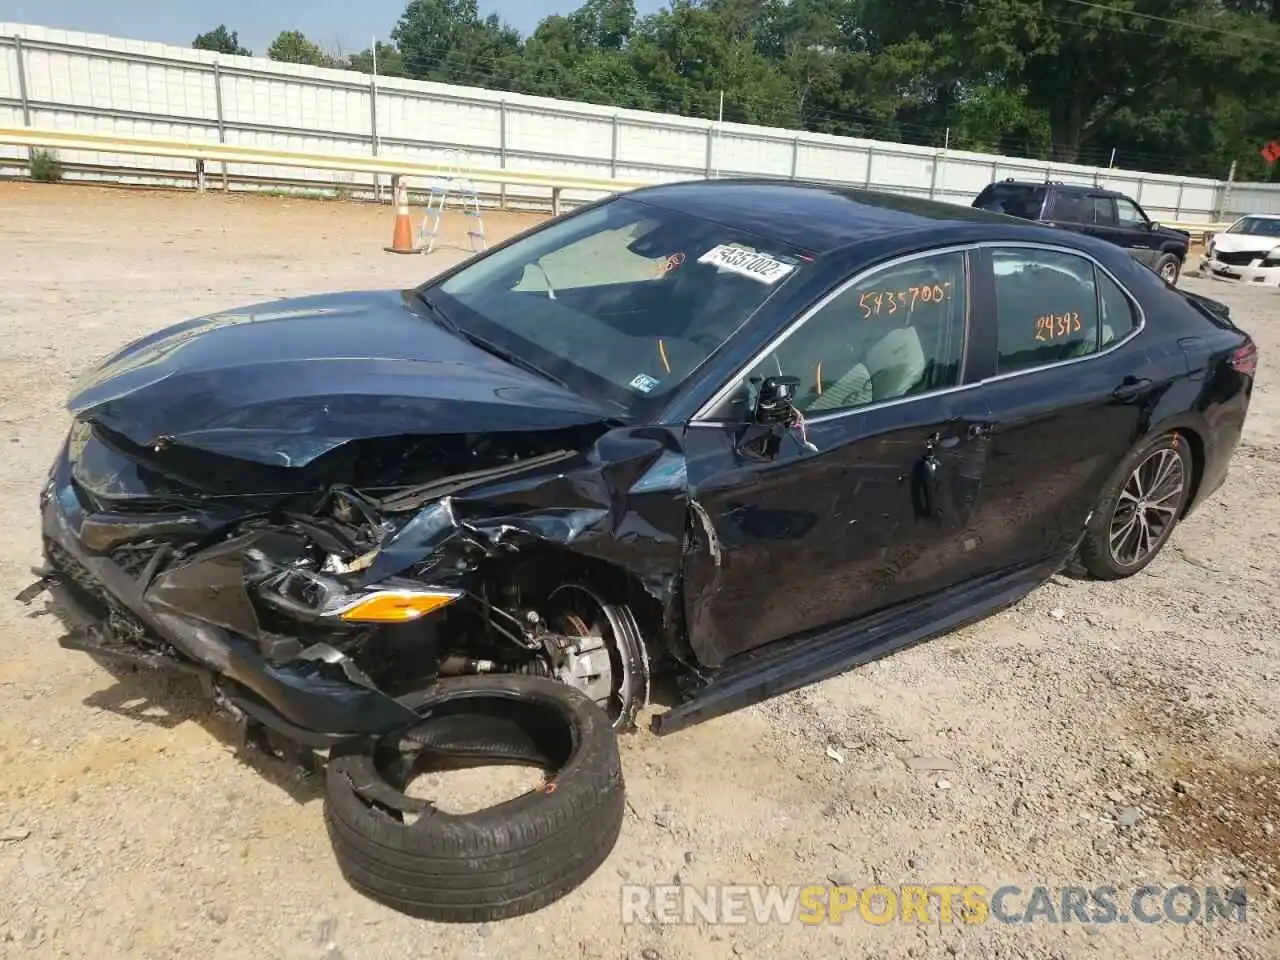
1096,553
1169,266
495,863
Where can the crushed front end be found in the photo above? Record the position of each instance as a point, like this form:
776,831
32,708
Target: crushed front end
311,600
1244,259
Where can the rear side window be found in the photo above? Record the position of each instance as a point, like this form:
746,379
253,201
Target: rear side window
1104,211
1015,199
1118,314
1069,208
1053,306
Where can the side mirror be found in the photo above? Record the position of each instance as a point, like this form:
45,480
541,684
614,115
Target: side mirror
774,404
1152,225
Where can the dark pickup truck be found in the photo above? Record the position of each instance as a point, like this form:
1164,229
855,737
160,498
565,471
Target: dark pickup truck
1098,212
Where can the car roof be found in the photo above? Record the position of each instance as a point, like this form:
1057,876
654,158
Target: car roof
1259,216
815,217
1059,186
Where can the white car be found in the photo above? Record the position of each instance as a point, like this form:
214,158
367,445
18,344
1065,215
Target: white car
1248,251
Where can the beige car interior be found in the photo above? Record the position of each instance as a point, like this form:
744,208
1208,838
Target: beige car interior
846,359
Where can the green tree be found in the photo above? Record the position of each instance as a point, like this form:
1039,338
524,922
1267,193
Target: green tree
1172,85
548,59
604,24
220,40
1268,8
446,41
390,62
1084,79
291,46
688,55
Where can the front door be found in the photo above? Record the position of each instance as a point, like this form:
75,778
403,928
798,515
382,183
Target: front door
1067,394
1118,221
1135,231
863,503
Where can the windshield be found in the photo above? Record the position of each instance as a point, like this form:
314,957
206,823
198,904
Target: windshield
1257,226
622,301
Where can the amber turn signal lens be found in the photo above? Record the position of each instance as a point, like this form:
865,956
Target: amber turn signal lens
395,606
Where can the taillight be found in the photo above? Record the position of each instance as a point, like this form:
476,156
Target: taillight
1244,359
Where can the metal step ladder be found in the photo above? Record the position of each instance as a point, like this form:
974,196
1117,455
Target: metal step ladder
454,183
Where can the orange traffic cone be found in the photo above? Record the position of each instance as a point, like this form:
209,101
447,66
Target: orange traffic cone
402,238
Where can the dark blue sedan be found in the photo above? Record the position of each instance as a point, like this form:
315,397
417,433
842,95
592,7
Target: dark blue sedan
735,435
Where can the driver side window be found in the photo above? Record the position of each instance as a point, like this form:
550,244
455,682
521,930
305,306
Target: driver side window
897,333
1128,214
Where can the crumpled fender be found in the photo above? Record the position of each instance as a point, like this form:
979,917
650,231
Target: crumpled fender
623,501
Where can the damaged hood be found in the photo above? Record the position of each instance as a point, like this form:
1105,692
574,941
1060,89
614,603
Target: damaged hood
1245,243
285,382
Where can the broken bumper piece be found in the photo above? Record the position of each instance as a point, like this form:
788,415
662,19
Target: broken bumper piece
1254,273
316,696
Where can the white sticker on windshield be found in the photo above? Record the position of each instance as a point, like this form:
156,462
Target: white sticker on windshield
747,262
644,383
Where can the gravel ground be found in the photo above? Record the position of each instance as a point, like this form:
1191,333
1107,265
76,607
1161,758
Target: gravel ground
1119,733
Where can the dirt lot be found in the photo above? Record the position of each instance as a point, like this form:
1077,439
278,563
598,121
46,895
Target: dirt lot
1097,734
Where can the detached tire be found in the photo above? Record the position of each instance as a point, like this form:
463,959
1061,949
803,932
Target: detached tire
1154,480
495,863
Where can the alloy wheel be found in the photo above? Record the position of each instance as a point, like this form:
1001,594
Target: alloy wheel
1169,272
1147,508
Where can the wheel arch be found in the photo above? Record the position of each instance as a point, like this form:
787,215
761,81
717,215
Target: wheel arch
549,566
1096,550
1193,432
1195,442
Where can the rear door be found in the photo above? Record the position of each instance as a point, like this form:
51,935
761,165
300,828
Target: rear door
1068,380
1070,210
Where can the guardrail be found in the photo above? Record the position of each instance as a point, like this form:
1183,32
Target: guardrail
353,163
345,163
1199,231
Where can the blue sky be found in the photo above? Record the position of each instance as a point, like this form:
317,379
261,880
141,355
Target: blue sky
331,23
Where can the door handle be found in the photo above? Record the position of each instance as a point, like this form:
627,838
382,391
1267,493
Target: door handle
1130,387
929,468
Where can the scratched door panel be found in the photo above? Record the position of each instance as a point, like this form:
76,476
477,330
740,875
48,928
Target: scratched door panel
809,539
842,518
